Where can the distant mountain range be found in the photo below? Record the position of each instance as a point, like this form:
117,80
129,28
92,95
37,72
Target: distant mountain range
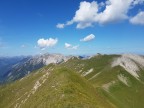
57,81
6,64
13,68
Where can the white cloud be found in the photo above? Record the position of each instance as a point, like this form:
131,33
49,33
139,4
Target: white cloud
75,47
86,14
90,13
60,25
88,38
115,11
138,19
69,46
43,43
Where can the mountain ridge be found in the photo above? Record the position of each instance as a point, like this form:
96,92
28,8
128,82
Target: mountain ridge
28,64
101,81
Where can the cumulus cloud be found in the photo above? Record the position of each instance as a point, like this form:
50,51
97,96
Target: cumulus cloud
138,19
75,47
88,38
60,25
90,13
43,43
69,46
115,11
86,13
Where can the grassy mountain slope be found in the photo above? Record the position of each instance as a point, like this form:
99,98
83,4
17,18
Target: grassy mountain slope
52,87
115,83
77,83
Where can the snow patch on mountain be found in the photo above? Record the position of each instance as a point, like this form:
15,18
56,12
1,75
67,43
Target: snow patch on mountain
131,63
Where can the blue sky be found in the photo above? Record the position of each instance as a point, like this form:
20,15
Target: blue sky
29,27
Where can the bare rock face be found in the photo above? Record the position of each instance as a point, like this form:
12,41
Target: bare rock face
54,58
29,64
131,63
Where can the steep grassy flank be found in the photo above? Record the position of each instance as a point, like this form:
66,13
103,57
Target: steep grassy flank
124,95
97,63
127,96
62,88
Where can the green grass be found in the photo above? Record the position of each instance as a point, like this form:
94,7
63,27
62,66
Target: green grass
63,89
66,88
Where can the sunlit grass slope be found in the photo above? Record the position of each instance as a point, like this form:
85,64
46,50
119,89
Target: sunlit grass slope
77,83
